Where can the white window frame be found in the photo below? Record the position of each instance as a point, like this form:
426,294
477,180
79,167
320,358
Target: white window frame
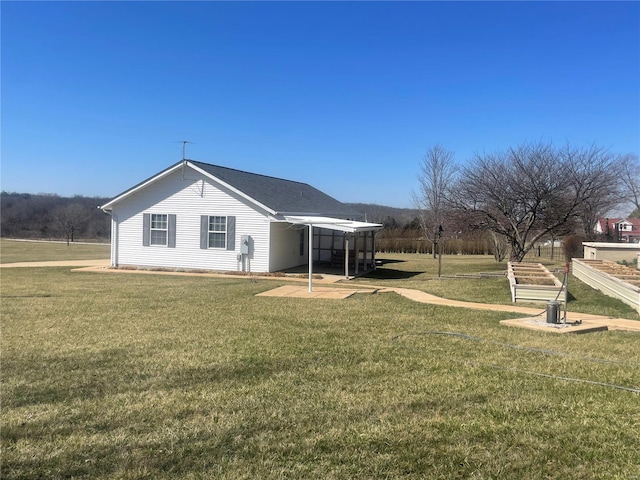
221,222
159,225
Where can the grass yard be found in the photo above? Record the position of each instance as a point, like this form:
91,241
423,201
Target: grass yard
20,251
132,376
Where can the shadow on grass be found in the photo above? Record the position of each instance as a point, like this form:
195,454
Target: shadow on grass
118,371
199,452
390,274
385,261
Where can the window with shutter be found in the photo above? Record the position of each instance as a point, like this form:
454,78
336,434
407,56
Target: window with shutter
217,231
159,233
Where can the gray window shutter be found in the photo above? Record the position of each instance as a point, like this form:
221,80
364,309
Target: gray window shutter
204,231
171,241
146,229
231,233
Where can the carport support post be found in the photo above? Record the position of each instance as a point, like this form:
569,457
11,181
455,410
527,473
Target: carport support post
356,260
310,257
373,250
346,255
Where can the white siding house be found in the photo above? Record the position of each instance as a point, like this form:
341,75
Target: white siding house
199,216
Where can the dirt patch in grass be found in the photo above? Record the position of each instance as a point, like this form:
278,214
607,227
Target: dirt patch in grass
527,280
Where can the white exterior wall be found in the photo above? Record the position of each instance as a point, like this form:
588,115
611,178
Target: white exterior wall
188,198
285,246
614,252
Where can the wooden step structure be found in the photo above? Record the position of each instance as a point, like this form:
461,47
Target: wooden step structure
533,282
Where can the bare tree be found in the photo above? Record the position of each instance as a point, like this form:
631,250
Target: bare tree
498,245
630,177
437,173
530,191
594,175
70,220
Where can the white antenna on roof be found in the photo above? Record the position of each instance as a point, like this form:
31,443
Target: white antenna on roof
184,157
184,147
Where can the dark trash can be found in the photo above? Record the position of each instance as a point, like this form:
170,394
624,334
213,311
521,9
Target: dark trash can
553,312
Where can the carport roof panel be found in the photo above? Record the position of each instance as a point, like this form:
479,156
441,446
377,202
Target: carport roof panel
350,226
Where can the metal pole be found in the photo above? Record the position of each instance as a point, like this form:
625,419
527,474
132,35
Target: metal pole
566,290
440,250
346,255
373,249
310,257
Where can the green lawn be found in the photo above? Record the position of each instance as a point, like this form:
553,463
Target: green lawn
125,375
20,251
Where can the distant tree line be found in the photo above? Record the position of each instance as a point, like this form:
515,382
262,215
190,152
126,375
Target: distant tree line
51,217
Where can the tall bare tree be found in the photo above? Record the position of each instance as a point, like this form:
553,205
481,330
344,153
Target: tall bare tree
530,191
436,176
631,179
594,175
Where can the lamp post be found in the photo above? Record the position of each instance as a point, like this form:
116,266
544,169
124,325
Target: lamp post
439,235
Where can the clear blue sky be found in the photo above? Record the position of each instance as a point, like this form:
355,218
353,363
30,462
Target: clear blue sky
344,96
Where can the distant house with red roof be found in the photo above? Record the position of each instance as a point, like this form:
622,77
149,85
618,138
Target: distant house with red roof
626,229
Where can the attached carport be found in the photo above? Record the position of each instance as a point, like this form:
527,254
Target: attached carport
346,226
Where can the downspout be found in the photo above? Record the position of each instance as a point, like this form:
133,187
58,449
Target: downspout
115,241
113,251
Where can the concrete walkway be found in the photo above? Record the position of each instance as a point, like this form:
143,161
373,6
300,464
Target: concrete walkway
299,291
533,318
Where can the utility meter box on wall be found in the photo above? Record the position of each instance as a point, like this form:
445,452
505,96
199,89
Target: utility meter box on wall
244,244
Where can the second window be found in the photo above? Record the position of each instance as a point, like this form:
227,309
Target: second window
217,232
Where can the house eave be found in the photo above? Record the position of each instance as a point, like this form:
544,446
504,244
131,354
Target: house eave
347,226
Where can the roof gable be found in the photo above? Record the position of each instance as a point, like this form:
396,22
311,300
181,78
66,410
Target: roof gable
276,194
603,222
634,222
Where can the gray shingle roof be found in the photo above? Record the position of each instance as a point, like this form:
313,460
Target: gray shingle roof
280,195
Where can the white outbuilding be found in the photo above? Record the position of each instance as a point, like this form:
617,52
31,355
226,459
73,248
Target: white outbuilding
194,215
